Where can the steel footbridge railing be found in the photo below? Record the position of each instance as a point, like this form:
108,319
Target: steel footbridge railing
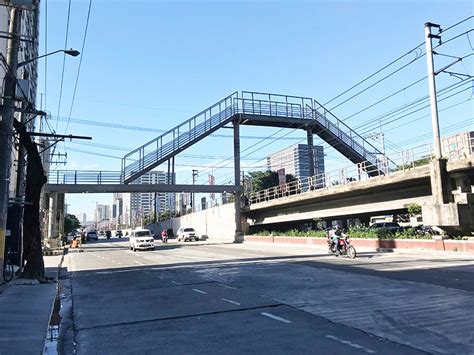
87,177
175,140
250,104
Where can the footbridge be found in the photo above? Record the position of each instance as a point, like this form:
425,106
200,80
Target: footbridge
259,109
238,108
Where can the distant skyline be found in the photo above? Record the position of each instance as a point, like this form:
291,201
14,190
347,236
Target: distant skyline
170,60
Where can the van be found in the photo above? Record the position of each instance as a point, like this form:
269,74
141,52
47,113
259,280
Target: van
380,219
141,239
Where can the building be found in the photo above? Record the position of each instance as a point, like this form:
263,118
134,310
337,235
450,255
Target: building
145,204
25,97
458,146
130,209
101,213
295,160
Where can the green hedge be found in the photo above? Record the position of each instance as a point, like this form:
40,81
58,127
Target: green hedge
354,232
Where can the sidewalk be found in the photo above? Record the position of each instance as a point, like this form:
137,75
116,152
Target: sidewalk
25,309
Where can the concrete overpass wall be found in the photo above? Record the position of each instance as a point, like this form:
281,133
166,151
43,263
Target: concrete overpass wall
217,223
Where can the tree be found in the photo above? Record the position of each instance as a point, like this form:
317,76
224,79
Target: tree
70,223
262,180
35,179
414,209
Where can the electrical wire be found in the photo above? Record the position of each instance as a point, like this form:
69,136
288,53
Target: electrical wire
456,24
64,60
45,51
375,73
80,64
378,81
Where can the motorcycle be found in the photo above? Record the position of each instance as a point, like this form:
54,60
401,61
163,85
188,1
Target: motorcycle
164,237
344,247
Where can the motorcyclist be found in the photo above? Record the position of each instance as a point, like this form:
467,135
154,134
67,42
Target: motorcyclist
337,233
164,235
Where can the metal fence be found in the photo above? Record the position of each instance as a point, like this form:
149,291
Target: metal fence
404,160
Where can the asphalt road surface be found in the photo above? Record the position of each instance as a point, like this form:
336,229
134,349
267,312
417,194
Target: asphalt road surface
187,298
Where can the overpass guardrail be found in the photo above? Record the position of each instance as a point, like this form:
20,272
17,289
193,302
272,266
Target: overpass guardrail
404,160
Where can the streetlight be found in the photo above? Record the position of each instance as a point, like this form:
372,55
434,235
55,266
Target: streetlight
71,52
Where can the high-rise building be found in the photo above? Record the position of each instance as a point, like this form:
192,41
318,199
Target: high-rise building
102,212
295,160
458,146
144,203
133,207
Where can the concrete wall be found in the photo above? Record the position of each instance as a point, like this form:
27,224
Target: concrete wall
217,223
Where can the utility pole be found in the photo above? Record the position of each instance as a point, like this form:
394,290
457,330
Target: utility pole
432,86
195,175
6,124
440,188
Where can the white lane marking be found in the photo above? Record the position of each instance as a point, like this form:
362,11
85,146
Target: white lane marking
227,286
139,263
230,301
196,290
347,342
272,316
176,283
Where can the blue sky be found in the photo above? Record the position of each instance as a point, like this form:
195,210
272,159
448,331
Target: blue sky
156,63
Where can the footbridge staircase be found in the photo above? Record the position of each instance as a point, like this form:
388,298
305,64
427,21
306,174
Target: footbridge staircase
262,109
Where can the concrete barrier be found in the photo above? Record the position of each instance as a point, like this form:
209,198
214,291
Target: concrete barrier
466,246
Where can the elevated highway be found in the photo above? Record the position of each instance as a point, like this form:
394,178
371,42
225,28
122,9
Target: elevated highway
349,197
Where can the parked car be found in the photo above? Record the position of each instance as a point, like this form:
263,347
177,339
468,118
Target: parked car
187,233
391,226
141,239
92,235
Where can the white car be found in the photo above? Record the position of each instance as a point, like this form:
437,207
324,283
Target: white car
141,239
187,233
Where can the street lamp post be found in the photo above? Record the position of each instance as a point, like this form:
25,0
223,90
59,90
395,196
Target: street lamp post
6,124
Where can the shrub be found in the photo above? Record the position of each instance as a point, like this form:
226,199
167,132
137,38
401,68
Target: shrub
414,209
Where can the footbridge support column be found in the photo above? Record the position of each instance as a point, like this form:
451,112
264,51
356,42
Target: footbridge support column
309,134
238,236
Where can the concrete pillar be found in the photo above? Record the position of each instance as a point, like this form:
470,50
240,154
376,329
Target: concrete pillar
238,236
440,184
309,135
52,209
463,184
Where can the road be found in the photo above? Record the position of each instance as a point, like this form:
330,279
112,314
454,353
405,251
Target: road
201,297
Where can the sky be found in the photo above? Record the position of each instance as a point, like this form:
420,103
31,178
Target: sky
154,64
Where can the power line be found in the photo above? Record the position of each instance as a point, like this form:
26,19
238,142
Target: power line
374,122
419,109
80,64
379,81
45,51
456,24
453,38
385,98
375,73
64,60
